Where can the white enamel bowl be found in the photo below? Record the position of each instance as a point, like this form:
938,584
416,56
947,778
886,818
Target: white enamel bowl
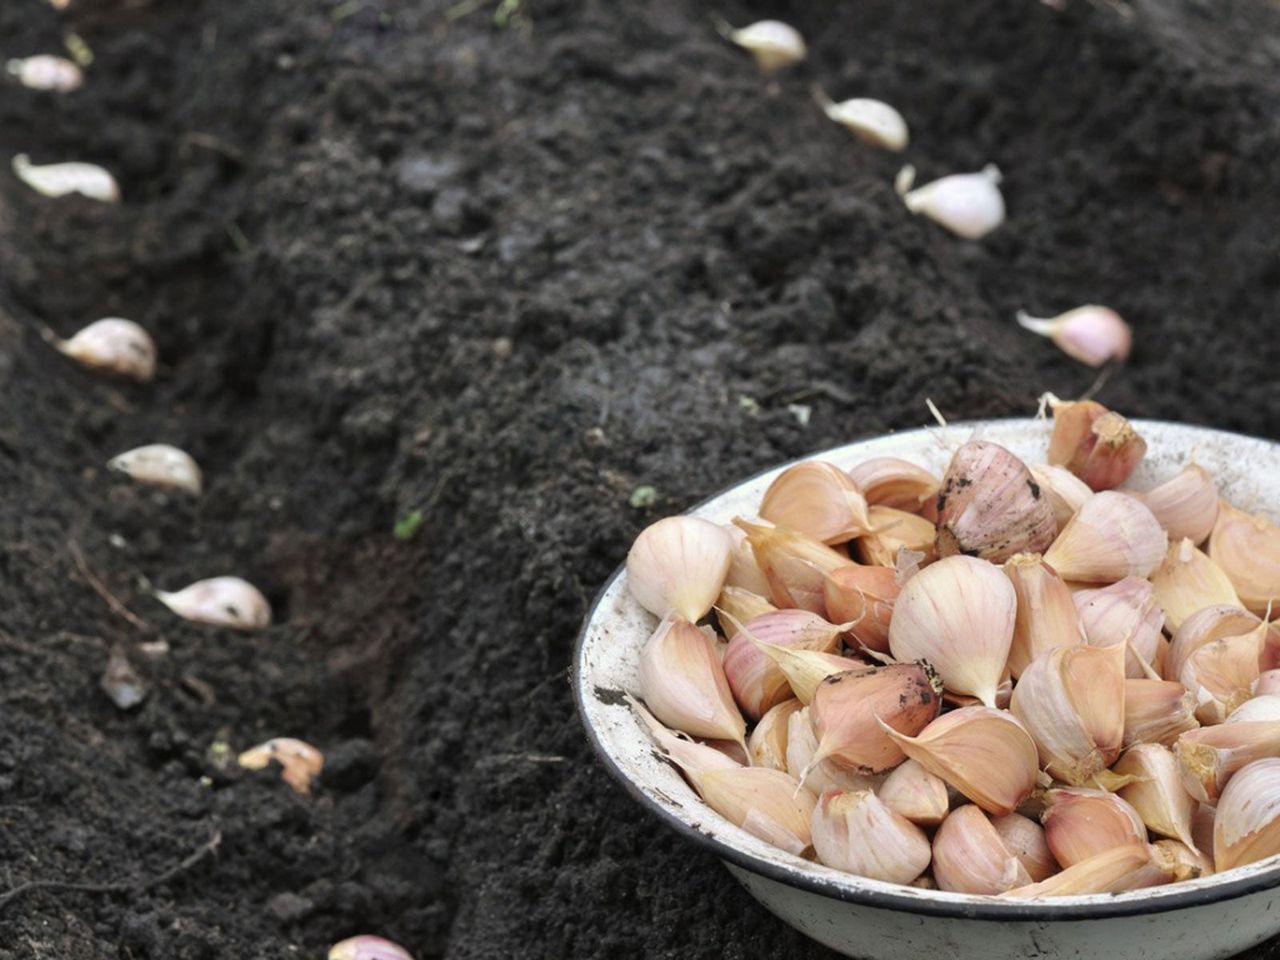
1216,916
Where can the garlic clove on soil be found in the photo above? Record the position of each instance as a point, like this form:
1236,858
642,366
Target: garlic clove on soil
1158,794
891,482
682,681
46,72
1046,611
970,205
221,601
1157,711
678,566
794,565
1024,838
863,597
160,465
818,500
1125,613
368,947
1247,548
871,121
895,530
1113,536
1187,581
1186,505
990,507
1091,334
859,834
112,345
767,745
774,44
916,794
969,856
1131,867
1246,828
300,762
1065,491
62,179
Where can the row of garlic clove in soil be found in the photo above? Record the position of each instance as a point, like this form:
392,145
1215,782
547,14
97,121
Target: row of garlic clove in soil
1009,716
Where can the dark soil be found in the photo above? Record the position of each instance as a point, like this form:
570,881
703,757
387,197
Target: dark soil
503,273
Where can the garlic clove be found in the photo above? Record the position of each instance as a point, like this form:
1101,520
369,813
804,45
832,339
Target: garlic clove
824,775
45,72
916,794
982,752
1188,581
1246,828
678,566
1071,701
891,482
1190,864
300,762
221,601
969,856
853,714
62,179
1091,334
805,670
114,346
1046,611
859,834
1158,795
1024,838
990,507
767,745
895,530
958,614
740,606
1096,444
1124,613
775,45
1079,824
817,500
1262,706
795,566
1247,548
1131,867
756,680
1204,627
1065,491
863,597
744,572
1185,505
1221,675
871,121
1072,425
1112,537
368,947
160,465
1209,757
1157,711
970,205
766,803
683,683
1268,682
688,755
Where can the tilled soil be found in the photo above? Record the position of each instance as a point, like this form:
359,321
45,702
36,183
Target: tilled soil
503,265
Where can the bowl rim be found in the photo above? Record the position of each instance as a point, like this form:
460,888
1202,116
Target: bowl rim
972,907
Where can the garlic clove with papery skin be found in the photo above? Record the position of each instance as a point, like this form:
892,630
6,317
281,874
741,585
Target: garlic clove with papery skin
1187,581
1046,611
368,947
859,834
300,762
1221,674
1190,863
990,507
818,500
46,72
970,205
1024,838
1157,794
678,566
1209,757
221,601
1186,505
767,745
895,531
1091,334
1112,537
1096,444
1157,711
756,680
863,597
683,683
774,44
871,121
739,606
1079,824
114,346
969,856
805,670
1204,627
1247,548
824,775
1065,491
1131,867
916,794
794,565
1246,828
891,482
744,573
160,465
1124,613
62,179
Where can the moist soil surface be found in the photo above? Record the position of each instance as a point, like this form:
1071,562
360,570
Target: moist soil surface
491,269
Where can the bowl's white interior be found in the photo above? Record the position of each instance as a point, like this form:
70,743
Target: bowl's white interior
1248,471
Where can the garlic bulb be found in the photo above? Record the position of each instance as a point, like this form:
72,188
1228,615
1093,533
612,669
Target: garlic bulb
221,601
1247,548
367,947
1185,505
990,507
1157,795
300,762
1157,711
678,566
114,346
871,121
767,745
61,179
891,482
916,794
1024,838
1065,491
1124,613
736,606
895,531
744,573
863,597
1112,537
818,500
45,72
794,565
1209,757
1187,582
1046,612
970,205
683,683
857,833
1091,334
1246,828
160,465
775,45
824,775
1098,446
1131,867
757,682
959,615
969,856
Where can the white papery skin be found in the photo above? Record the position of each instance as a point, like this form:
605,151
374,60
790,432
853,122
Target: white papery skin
1065,491
678,566
61,179
1113,536
1159,797
958,614
857,833
1126,612
160,465
1247,825
1186,505
683,683
221,601
970,205
969,856
113,345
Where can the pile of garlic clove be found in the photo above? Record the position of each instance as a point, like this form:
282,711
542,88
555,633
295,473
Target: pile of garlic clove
1016,680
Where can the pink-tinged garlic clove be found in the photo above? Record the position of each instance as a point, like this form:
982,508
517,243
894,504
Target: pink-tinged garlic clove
1157,711
1157,794
1131,867
970,205
367,947
895,531
1187,581
736,606
1096,444
1246,828
824,775
1046,611
891,482
300,762
757,682
817,500
1247,548
1126,613
916,794
1186,505
1065,491
677,566
794,565
1091,334
1189,863
767,745
1112,537
1024,838
864,597
1209,757
857,833
220,601
1204,627
744,573
969,856
1079,824
990,507
683,683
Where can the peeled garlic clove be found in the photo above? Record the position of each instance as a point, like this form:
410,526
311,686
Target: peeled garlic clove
367,947
1188,581
1080,824
300,762
970,205
1046,612
1221,675
852,713
871,121
1158,795
818,500
775,45
915,793
863,597
959,615
1125,613
221,601
1209,757
757,682
1190,864
969,856
683,683
678,566
1157,711
1112,537
113,345
824,775
891,482
1024,838
1246,828
982,752
1071,701
857,833
744,572
1204,627
61,179
160,465
895,530
767,745
1130,867
794,565
1186,505
1247,548
1065,491
805,670
990,507
45,72
1091,334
